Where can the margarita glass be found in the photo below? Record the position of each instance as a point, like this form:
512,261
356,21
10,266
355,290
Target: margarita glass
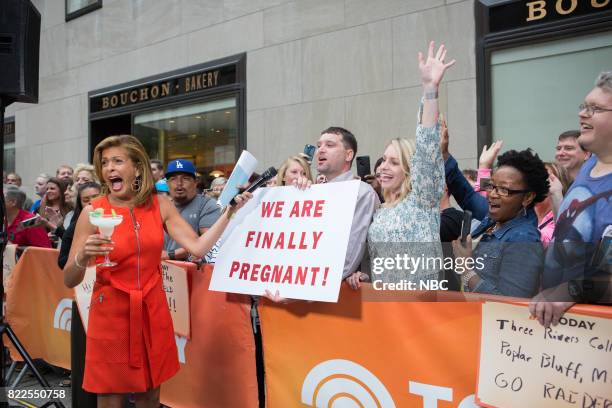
106,224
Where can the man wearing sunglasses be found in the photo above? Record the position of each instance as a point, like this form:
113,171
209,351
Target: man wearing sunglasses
577,268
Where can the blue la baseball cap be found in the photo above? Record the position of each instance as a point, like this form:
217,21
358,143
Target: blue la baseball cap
180,166
162,186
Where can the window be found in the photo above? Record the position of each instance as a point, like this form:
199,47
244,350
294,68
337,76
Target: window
204,133
76,8
536,89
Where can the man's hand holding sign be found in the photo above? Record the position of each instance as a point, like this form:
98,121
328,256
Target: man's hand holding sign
289,240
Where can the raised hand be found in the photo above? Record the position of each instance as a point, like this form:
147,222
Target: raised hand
433,67
488,155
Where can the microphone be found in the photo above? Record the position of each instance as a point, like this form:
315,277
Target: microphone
263,179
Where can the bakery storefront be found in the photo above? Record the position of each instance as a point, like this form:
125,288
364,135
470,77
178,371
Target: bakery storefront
196,113
535,62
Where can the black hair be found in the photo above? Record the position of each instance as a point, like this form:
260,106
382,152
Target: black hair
533,170
348,139
79,206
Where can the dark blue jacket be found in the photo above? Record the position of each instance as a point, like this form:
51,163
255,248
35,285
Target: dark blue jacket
464,194
512,257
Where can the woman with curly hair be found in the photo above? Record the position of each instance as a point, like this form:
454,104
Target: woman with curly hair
508,259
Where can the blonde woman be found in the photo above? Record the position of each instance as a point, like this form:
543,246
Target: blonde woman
412,179
292,169
84,173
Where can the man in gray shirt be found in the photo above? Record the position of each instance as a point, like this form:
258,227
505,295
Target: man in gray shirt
199,211
336,149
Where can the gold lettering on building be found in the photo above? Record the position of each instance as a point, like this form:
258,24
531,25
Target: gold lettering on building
537,10
191,83
165,89
201,81
565,11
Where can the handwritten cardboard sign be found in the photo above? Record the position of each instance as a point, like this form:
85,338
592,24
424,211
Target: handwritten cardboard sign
82,293
523,364
289,240
177,293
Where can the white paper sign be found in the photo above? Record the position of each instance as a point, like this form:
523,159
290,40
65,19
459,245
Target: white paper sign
83,293
10,260
245,166
523,364
289,240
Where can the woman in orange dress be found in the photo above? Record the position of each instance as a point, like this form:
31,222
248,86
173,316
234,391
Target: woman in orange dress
130,338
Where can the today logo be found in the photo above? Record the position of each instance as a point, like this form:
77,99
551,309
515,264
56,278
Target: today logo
345,384
62,318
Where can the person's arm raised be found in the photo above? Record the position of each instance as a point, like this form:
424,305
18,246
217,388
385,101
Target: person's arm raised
426,165
186,237
432,71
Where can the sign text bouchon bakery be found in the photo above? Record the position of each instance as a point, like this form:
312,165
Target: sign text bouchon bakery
169,87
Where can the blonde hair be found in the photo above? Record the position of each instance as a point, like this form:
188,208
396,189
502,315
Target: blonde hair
283,169
137,155
84,167
405,150
561,173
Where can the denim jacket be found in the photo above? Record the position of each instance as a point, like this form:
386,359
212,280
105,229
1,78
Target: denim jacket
512,257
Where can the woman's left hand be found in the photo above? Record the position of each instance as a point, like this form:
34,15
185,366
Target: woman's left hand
463,250
433,68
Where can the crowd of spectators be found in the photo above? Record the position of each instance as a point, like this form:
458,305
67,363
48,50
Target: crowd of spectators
525,211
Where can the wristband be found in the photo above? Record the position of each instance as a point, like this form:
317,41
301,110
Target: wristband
172,255
429,95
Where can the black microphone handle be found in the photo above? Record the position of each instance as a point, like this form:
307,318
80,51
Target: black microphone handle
251,188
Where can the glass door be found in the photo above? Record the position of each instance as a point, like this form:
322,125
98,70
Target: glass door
205,133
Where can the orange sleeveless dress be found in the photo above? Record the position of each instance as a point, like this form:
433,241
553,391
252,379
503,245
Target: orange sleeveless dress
130,337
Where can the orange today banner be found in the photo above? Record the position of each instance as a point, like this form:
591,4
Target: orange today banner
39,307
217,362
405,353
380,354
